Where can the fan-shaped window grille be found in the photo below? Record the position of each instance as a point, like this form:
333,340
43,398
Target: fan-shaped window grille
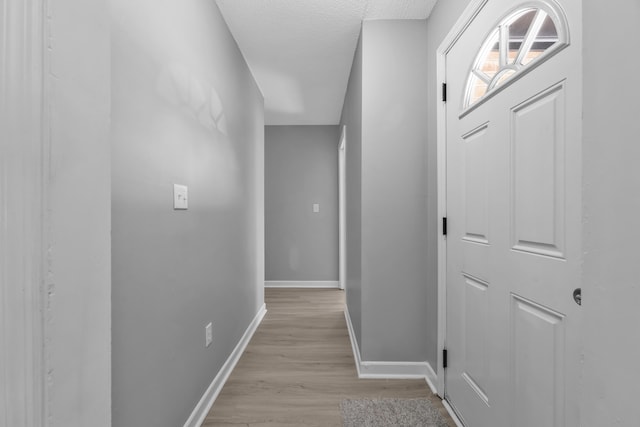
521,40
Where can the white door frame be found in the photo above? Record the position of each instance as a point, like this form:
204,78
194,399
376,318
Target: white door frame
342,212
24,183
473,8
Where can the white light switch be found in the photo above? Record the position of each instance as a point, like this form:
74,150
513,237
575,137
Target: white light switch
208,334
316,207
180,196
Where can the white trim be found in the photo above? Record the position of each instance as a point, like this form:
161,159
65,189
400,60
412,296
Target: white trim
342,212
471,11
432,379
352,338
259,190
24,214
383,369
394,370
452,413
209,397
311,284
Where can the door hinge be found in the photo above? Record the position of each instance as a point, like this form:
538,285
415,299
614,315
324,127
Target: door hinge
444,92
444,358
444,226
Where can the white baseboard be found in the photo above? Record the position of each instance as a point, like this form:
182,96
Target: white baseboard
380,369
432,379
399,370
451,412
352,338
206,402
312,284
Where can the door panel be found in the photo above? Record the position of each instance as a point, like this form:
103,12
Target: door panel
476,185
538,170
476,372
537,364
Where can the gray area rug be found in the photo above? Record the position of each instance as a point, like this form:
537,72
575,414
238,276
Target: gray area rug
390,412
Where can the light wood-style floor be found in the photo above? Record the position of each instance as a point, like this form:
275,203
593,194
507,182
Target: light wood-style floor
299,366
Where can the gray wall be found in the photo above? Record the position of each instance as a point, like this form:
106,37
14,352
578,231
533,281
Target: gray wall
175,271
301,168
392,190
352,120
611,211
443,16
78,306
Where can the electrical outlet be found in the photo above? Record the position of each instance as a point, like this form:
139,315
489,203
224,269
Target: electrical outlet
208,334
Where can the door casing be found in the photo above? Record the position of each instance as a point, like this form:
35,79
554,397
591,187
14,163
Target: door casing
342,213
24,220
473,8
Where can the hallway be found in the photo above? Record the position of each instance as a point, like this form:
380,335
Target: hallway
122,305
299,366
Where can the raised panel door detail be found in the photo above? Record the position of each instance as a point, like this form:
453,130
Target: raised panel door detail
476,372
537,364
476,190
538,174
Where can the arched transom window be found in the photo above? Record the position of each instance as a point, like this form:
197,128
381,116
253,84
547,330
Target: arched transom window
521,40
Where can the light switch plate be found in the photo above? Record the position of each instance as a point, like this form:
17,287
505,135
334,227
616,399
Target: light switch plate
208,334
316,207
180,197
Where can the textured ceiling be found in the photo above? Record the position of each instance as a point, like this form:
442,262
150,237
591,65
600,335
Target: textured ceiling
300,51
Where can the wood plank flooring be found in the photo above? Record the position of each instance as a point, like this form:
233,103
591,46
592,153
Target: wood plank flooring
299,366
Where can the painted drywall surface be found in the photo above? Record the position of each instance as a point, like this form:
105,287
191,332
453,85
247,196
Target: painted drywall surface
300,85
443,17
610,292
186,110
78,306
352,120
301,169
394,191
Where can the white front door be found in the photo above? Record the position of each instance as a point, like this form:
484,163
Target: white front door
513,187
